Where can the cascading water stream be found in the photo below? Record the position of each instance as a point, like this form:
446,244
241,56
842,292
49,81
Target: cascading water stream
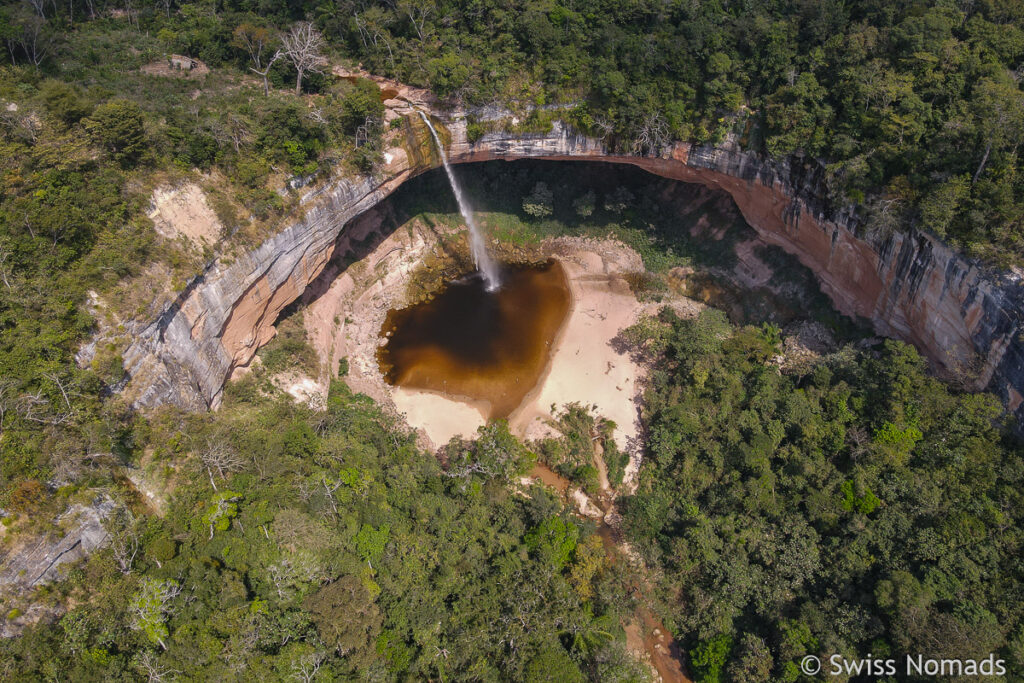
484,263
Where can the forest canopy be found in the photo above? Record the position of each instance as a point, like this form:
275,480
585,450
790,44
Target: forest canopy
913,108
854,505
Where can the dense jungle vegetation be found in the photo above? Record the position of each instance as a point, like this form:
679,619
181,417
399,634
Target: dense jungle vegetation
307,544
849,506
913,107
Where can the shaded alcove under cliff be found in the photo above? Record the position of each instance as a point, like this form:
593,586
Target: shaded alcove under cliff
678,244
965,318
694,236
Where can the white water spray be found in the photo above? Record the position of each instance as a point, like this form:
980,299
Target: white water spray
484,263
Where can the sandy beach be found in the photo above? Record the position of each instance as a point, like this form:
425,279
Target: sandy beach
583,367
439,416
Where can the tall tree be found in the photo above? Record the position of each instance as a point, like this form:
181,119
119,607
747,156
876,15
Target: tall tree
119,128
304,46
257,41
32,34
1000,109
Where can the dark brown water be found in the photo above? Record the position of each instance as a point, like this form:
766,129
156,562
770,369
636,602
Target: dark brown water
483,346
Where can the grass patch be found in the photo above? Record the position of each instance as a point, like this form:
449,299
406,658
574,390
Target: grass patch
289,349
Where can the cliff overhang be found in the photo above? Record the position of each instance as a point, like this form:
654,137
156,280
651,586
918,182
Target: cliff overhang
965,318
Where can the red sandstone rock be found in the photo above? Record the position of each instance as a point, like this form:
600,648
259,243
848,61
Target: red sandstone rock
909,286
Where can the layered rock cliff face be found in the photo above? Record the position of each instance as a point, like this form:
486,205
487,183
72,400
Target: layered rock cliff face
910,286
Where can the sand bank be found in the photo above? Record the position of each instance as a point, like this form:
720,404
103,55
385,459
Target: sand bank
584,366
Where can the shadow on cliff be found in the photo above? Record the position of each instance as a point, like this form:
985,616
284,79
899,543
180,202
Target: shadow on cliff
676,227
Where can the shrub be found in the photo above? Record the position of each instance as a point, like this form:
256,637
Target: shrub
620,200
474,131
709,657
63,102
26,496
361,104
584,204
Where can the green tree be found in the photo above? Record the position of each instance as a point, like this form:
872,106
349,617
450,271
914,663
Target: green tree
222,509
753,662
999,108
552,665
798,118
370,542
554,541
448,74
540,202
118,127
941,205
64,102
361,106
150,606
347,618
584,204
709,658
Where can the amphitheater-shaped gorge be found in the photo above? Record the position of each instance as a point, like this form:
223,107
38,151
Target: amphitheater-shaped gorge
964,317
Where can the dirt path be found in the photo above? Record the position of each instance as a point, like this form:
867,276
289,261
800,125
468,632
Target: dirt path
602,469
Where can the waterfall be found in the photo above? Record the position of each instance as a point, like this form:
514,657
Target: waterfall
484,263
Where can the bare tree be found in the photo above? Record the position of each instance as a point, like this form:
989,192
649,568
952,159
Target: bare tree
238,131
129,10
38,6
10,41
148,664
4,270
34,38
150,606
23,126
603,126
653,136
304,46
367,130
417,11
859,441
257,41
63,387
35,407
124,540
29,127
306,666
292,571
7,400
220,458
373,30
240,645
883,215
317,116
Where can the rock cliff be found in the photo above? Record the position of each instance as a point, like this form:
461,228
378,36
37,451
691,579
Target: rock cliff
39,562
965,319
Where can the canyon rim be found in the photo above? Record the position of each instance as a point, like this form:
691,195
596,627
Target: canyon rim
965,318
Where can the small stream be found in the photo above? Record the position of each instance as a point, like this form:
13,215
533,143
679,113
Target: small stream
665,654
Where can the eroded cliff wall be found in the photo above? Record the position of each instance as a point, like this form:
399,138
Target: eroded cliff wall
965,319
